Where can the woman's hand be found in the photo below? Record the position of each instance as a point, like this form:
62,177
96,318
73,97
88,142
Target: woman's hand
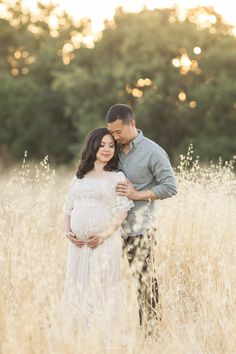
72,237
95,241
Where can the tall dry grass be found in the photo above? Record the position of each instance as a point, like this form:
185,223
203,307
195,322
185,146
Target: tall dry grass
195,261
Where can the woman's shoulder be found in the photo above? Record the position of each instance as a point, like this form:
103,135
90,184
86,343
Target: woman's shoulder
119,175
73,180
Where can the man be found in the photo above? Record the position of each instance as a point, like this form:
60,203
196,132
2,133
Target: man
149,177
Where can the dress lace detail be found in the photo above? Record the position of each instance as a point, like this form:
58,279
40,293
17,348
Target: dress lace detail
93,296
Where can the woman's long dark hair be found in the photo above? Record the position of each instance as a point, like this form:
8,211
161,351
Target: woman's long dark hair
91,145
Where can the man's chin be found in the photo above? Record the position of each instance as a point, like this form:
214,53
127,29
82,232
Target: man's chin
121,142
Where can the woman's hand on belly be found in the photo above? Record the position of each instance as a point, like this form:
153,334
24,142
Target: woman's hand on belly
72,237
95,240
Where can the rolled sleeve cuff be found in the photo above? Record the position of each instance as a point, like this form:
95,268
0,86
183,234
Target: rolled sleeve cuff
165,191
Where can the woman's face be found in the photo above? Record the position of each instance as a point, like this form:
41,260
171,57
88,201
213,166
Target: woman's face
107,149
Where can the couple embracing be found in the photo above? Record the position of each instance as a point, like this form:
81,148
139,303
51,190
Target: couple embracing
110,205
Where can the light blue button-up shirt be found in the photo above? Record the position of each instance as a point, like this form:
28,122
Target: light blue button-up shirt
147,166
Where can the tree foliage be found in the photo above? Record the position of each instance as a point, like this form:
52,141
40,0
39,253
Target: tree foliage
179,77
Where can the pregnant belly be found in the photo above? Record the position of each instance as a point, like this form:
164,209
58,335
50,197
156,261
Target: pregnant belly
86,221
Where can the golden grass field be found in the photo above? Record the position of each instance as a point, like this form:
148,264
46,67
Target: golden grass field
195,261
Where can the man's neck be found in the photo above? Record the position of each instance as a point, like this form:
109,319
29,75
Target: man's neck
135,134
126,147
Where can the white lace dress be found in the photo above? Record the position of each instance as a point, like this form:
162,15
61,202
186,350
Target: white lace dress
93,297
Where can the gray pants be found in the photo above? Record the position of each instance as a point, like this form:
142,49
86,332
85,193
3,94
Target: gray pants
139,251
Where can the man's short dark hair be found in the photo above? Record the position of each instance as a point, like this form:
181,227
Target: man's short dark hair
120,111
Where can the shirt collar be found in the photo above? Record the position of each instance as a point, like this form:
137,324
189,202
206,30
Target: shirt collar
135,141
138,138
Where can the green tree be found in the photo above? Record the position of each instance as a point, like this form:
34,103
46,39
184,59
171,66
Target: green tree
32,113
178,75
188,95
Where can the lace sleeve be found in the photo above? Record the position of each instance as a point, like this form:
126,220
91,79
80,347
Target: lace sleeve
122,203
68,205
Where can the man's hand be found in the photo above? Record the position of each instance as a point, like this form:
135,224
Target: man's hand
72,237
95,241
126,189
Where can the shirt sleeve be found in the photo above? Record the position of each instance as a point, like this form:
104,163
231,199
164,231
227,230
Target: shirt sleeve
122,203
68,205
163,172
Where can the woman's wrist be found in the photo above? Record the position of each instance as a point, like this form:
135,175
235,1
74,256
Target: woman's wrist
103,235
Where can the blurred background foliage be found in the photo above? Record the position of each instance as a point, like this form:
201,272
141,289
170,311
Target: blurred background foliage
57,80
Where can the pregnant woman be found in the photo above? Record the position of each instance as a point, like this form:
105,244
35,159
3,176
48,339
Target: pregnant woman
93,301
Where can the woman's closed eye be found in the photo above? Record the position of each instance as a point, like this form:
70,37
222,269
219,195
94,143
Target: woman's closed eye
111,145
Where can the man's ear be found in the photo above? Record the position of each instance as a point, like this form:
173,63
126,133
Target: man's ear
132,123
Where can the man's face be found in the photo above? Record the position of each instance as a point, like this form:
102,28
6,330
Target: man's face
122,132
